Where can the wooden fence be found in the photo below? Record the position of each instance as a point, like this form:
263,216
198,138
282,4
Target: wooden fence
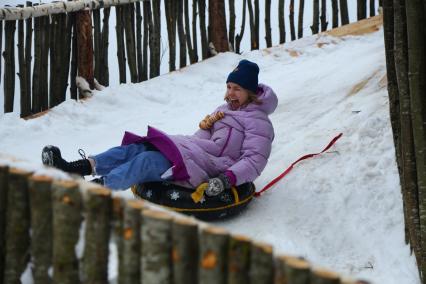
65,228
62,46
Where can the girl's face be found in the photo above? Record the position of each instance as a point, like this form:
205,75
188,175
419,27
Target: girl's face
236,95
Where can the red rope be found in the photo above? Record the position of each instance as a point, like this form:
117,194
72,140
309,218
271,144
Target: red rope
275,180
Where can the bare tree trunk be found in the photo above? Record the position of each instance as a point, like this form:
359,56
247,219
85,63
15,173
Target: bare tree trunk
217,25
171,32
300,21
129,28
372,8
335,9
315,21
324,22
361,9
181,34
232,22
344,14
85,48
281,20
191,53
204,40
239,36
417,73
291,17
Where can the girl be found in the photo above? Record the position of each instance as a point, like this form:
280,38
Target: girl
231,147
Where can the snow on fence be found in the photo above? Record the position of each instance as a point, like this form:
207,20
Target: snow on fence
65,229
69,38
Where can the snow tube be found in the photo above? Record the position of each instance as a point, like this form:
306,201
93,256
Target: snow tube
178,198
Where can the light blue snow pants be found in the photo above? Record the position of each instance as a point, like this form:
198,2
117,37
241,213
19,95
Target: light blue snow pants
124,166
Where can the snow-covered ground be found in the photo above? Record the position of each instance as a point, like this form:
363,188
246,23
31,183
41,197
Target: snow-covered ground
341,210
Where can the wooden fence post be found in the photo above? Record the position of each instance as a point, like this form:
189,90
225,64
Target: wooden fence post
292,270
315,15
300,19
291,20
73,68
335,9
203,33
323,17
17,226
262,263
130,240
239,36
156,247
217,26
194,30
119,29
40,191
192,55
96,242
322,276
214,243
97,49
25,97
231,31
268,36
28,57
85,48
4,183
146,21
129,29
104,73
252,25
281,20
181,34
139,41
1,44
185,251
344,14
171,32
44,70
155,39
9,63
67,206
239,260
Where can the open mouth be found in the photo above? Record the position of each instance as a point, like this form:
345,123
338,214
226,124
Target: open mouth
234,103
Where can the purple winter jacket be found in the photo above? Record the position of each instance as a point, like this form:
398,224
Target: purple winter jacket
240,142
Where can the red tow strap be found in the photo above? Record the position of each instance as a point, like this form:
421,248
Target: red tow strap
275,180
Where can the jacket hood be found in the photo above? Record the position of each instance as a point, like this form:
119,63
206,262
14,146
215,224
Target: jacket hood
269,100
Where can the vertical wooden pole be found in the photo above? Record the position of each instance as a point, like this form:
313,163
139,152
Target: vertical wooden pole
59,59
361,9
156,37
1,45
372,8
4,184
117,227
139,41
300,19
203,33
214,243
192,56
239,260
194,29
281,20
268,35
171,32
252,25
324,22
239,36
104,77
67,205
181,34
315,20
262,263
85,48
291,20
97,43
96,242
73,71
9,63
335,8
231,32
36,101
256,22
28,55
17,226
44,69
119,29
25,99
65,46
156,247
129,28
40,191
146,21
130,264
185,251
344,13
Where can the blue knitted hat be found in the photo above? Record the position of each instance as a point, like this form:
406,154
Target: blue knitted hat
245,75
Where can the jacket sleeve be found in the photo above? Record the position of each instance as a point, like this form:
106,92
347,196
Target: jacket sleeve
203,134
255,152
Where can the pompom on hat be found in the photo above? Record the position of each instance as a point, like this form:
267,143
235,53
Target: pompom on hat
245,75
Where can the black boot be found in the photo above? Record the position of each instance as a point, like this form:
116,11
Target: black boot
51,156
99,180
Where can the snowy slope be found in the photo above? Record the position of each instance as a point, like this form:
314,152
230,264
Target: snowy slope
341,210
